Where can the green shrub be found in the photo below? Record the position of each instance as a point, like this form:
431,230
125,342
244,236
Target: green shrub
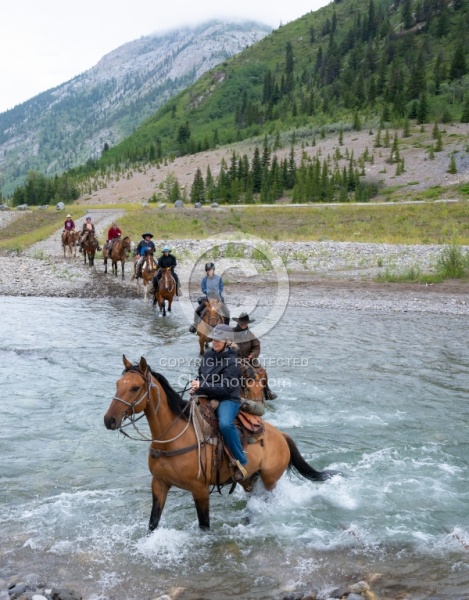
452,263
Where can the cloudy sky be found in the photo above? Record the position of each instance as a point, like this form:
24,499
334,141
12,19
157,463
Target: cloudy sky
46,42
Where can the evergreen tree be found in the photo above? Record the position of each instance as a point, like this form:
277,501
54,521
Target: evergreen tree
452,168
198,188
289,68
256,170
465,111
458,64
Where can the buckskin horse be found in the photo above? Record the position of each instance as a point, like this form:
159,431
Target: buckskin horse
180,457
90,245
147,273
165,291
118,253
69,242
211,316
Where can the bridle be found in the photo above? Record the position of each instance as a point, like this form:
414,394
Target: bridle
132,417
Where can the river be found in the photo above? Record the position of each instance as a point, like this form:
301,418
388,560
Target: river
382,397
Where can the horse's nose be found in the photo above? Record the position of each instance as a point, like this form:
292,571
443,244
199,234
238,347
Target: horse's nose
110,422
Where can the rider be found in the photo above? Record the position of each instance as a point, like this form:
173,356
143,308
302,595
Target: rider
218,379
145,245
114,233
165,261
88,227
249,348
212,287
69,224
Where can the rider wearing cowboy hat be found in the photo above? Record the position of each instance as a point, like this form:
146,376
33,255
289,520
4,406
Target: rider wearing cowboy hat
69,224
145,245
249,348
218,379
212,287
166,261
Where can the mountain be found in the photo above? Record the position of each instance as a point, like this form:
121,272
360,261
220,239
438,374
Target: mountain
379,62
67,125
389,67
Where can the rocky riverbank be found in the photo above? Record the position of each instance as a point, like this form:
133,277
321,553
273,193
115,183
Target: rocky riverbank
32,587
336,275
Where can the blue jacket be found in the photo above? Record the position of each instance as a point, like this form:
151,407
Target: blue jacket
212,287
143,246
219,375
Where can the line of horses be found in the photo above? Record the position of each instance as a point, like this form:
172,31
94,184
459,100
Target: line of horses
185,450
163,296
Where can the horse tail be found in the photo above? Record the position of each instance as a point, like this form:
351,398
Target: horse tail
301,467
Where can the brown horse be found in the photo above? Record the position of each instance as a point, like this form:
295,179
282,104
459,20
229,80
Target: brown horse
90,245
253,381
181,458
118,253
69,242
212,316
165,291
147,272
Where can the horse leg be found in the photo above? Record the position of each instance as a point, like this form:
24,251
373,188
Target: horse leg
202,505
170,301
105,265
122,266
159,493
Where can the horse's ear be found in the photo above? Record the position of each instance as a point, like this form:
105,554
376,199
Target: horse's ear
127,363
143,365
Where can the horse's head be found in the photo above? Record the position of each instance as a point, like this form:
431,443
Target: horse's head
132,393
213,314
126,243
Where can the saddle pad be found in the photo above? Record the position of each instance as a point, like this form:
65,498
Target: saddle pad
252,423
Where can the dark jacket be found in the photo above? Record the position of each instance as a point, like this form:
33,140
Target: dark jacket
85,228
144,246
219,375
167,261
247,343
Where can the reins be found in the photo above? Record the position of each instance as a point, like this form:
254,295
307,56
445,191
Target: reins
133,417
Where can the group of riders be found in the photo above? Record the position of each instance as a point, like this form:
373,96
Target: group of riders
235,351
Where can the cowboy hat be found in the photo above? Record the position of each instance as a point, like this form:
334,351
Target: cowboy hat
144,235
244,318
221,333
166,249
69,216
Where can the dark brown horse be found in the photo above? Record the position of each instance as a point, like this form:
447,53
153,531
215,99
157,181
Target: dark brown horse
212,316
179,457
118,252
165,291
69,243
90,245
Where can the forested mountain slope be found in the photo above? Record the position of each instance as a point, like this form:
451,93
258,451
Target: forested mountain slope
65,126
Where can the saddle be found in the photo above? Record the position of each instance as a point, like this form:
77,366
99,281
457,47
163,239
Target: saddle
250,428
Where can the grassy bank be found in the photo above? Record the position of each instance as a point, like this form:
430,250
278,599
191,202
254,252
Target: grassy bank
428,223
432,223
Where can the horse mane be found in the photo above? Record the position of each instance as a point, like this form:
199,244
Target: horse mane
175,402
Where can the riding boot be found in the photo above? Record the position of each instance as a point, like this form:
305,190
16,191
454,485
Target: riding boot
239,472
192,329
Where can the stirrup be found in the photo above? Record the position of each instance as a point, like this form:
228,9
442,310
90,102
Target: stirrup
239,472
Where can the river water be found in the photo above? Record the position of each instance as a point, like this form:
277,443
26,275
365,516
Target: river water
382,397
